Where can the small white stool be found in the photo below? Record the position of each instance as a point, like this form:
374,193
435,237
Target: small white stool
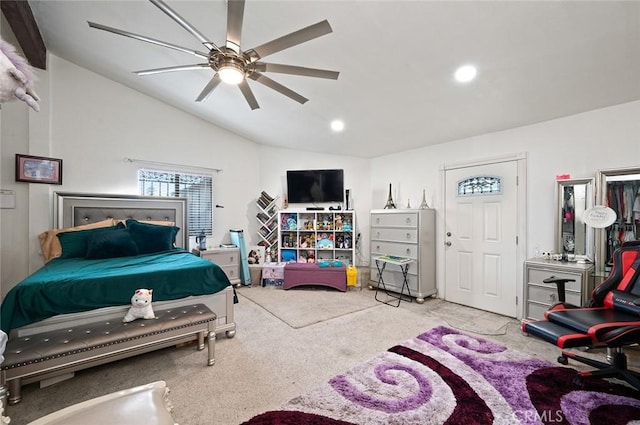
146,404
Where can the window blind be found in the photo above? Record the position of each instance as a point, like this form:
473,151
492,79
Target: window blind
197,188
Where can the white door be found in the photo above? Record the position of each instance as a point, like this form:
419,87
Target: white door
480,236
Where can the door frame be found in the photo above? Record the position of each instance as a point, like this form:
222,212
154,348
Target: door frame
521,222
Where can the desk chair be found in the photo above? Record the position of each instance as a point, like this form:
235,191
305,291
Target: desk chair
611,320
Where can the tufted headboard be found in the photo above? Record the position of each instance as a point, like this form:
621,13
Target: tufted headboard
74,209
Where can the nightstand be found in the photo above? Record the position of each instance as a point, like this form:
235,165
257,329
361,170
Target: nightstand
540,296
227,258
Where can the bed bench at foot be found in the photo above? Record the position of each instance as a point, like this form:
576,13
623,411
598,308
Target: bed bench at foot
49,355
298,274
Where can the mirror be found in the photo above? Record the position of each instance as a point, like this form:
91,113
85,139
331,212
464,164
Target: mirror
573,237
612,185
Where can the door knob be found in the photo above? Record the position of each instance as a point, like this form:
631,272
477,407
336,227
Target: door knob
447,243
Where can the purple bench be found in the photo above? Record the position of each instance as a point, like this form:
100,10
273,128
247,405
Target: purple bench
298,274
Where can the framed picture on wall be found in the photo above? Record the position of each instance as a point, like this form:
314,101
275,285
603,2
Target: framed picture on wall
38,169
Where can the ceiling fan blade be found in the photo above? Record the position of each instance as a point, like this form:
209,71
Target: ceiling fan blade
173,68
147,39
248,95
290,40
235,13
211,85
296,70
184,24
262,79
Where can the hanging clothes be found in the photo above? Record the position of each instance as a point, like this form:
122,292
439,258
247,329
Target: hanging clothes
636,206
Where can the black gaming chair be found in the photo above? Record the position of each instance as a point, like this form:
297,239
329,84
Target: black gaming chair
611,320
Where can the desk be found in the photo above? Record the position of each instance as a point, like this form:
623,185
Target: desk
403,263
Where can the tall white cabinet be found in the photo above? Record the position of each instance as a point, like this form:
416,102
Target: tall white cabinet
405,233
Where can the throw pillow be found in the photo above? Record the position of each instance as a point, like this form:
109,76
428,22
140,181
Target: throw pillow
50,245
152,238
74,244
118,243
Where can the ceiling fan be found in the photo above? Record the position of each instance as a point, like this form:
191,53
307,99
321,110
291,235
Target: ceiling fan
230,63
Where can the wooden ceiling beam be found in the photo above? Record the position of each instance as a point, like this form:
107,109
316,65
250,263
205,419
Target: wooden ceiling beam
20,18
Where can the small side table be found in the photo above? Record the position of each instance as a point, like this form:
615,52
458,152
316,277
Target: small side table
403,263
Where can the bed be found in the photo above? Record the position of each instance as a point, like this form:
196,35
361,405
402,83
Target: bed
78,290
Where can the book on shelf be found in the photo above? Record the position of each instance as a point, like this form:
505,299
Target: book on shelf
263,217
266,196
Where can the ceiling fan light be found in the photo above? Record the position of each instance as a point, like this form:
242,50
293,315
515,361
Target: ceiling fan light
231,73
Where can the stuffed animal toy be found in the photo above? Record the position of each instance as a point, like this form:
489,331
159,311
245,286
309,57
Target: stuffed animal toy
140,306
16,77
338,222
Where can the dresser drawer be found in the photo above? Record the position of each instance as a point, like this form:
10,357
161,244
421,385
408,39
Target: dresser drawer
394,235
397,220
232,272
538,275
390,248
222,257
536,310
549,296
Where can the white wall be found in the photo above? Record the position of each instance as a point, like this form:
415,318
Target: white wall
92,123
578,145
274,162
16,129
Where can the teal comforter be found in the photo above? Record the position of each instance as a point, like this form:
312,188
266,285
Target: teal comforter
76,284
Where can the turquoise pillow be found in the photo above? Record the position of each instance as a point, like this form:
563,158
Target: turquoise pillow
75,243
118,243
152,238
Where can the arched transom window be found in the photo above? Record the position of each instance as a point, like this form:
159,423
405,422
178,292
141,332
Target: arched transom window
480,185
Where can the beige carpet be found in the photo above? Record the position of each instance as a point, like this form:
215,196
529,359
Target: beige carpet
305,306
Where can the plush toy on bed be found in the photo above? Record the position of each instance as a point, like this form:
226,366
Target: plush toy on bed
140,306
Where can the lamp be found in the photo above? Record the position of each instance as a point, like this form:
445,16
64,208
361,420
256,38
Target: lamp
231,72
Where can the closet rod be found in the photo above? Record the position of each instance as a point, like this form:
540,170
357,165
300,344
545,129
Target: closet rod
169,164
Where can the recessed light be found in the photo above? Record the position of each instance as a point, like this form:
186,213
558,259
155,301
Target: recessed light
337,125
466,73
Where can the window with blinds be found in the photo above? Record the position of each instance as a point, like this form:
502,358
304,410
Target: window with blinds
198,189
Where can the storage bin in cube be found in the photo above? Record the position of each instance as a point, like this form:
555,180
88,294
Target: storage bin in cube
255,271
273,274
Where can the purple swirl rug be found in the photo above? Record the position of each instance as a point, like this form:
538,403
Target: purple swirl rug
447,377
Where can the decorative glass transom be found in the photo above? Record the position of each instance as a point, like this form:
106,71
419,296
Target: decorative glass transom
480,185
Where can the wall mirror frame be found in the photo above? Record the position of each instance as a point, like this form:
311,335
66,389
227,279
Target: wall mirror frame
573,236
603,180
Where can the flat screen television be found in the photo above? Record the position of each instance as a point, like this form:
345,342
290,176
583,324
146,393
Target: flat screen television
313,186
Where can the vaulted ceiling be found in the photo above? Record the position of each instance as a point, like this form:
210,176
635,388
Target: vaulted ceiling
536,61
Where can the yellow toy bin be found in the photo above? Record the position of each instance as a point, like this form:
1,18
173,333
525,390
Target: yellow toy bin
352,275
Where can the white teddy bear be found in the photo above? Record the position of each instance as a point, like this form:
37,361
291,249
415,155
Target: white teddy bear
140,306
16,77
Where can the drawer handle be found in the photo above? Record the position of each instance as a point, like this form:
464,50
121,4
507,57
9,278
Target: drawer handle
408,235
377,234
408,251
553,297
408,220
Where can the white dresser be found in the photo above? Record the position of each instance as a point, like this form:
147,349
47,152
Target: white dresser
227,258
539,296
405,233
